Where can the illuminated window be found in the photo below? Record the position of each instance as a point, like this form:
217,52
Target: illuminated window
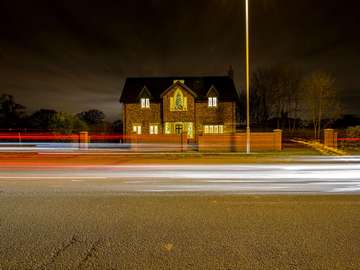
213,129
154,129
167,128
178,102
145,103
137,129
206,129
212,102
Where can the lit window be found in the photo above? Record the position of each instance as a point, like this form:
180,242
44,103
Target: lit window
213,129
178,102
206,129
167,128
212,101
145,103
137,129
154,130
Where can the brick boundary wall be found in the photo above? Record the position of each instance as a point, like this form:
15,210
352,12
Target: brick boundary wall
159,142
260,141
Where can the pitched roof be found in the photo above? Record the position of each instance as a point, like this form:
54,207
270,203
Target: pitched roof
199,85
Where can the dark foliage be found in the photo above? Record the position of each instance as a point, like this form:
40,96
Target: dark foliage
41,119
11,113
92,117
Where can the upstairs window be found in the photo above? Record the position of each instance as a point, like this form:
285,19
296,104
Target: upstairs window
212,102
178,102
145,103
212,95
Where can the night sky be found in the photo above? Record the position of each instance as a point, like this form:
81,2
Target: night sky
74,55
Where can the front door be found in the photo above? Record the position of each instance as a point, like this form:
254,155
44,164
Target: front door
179,129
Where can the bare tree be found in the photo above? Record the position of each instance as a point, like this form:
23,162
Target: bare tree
276,95
263,84
320,100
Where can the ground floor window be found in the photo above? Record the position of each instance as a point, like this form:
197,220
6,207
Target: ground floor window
180,128
153,130
137,129
214,129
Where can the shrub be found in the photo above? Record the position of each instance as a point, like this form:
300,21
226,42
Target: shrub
353,132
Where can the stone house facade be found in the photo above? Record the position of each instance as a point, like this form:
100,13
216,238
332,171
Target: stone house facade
178,105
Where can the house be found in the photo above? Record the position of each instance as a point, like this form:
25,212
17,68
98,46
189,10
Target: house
178,105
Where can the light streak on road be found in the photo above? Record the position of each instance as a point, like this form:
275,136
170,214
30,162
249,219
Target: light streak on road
325,175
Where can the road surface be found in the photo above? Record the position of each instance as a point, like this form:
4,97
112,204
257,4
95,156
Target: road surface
58,215
303,175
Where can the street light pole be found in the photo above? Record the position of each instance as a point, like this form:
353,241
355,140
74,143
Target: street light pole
247,79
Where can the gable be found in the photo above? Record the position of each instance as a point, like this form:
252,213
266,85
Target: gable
144,93
177,99
179,85
197,86
212,92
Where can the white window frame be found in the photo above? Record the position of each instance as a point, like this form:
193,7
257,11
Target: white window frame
137,129
221,129
206,129
211,129
215,102
154,129
145,103
212,102
214,129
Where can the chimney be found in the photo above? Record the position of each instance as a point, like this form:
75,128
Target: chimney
231,72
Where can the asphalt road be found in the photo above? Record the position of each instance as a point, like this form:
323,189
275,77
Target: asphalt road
304,175
136,216
102,230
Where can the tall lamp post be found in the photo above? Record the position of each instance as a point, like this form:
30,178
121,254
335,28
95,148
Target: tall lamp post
247,79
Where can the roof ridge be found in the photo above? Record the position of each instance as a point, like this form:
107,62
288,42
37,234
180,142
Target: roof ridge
179,77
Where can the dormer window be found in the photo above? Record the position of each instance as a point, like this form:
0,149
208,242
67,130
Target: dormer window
212,102
145,103
212,95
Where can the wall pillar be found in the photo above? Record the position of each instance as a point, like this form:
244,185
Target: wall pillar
277,139
84,140
330,138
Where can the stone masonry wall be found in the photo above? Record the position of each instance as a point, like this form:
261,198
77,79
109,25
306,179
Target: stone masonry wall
224,114
182,116
134,114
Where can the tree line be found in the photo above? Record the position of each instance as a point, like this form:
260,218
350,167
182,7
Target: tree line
13,116
282,97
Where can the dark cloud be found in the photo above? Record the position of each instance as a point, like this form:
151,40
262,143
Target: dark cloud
74,55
